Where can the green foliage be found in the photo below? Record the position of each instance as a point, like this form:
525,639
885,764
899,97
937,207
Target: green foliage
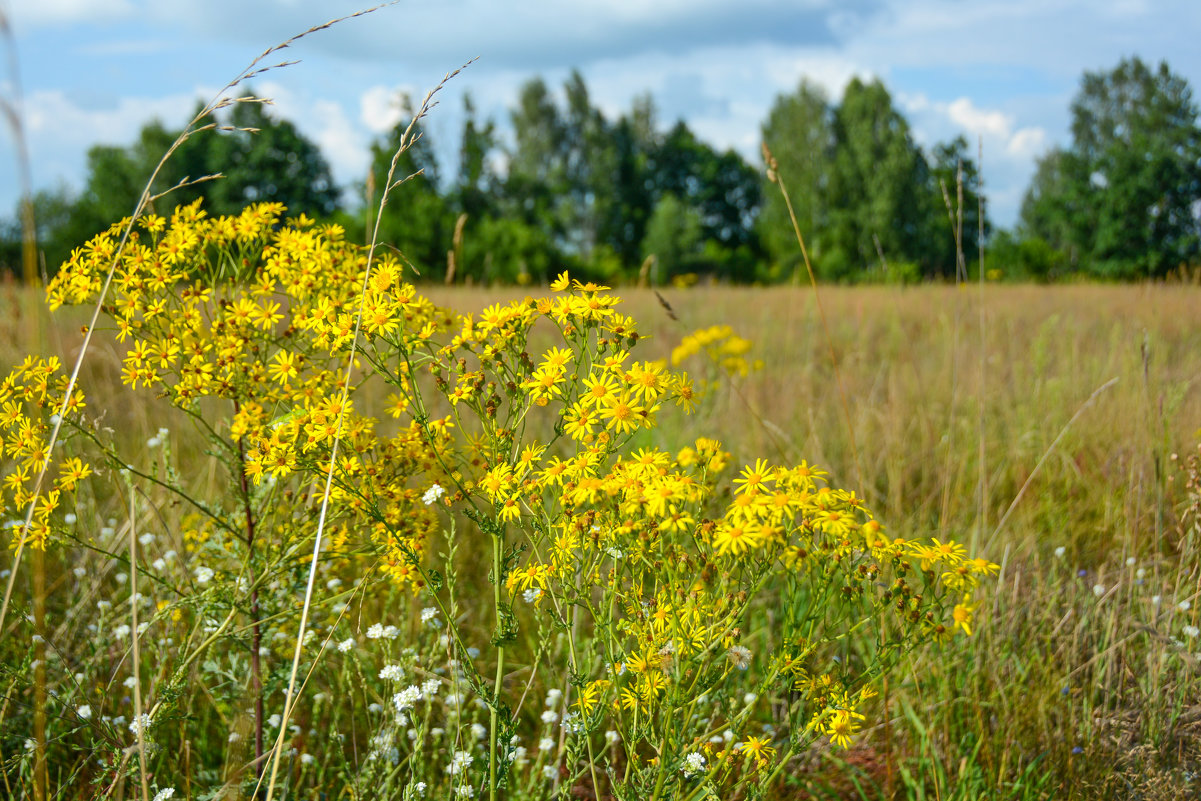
799,134
864,194
673,237
1122,199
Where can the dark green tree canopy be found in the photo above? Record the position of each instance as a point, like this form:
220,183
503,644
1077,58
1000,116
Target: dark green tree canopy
1123,198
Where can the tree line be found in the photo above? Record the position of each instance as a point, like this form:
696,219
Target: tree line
626,200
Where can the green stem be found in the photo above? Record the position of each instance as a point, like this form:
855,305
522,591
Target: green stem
497,547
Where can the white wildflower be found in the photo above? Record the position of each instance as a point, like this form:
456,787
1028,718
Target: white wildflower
392,673
479,731
1191,631
140,724
375,631
204,574
84,711
164,794
694,763
1060,551
546,744
460,762
432,494
406,698
346,644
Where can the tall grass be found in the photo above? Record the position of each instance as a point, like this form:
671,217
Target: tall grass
1081,679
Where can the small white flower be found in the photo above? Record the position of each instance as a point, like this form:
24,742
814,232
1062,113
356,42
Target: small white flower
1140,573
80,572
164,794
553,695
531,595
104,606
571,722
406,698
391,632
430,687
420,788
234,737
432,494
694,763
273,721
140,724
1131,561
346,644
551,772
1156,600
121,631
122,578
1191,631
479,731
152,443
459,762
550,716
612,737
159,565
1060,551
204,574
333,583
1098,590
428,614
465,791
375,631
750,698
1184,605
146,539
84,711
392,673
69,518
306,759
546,744
129,683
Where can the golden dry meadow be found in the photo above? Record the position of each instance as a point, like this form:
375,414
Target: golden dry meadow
1079,678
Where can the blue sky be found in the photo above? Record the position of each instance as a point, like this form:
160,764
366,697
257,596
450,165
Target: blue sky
94,71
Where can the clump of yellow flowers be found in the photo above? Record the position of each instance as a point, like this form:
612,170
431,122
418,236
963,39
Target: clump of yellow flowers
687,600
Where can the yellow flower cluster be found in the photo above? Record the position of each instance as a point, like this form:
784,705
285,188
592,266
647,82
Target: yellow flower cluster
29,395
259,312
724,349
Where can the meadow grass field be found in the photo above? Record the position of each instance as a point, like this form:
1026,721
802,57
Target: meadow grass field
1053,431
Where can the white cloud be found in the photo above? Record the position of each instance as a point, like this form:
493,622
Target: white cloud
381,107
979,121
